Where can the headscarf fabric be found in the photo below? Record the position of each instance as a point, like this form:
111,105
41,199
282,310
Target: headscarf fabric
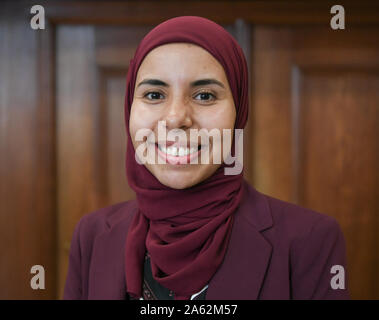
185,231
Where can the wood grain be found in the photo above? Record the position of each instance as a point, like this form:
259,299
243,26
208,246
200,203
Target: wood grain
316,128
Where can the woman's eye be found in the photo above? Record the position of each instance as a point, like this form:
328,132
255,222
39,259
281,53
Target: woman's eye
153,95
205,96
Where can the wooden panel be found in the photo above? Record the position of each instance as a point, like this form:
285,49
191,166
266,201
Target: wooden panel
27,221
76,111
91,73
116,137
316,122
270,115
339,173
113,138
115,45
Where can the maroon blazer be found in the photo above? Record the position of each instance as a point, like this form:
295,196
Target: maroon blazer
277,250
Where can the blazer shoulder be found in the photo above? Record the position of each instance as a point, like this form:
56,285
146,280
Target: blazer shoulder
298,221
316,248
97,221
91,226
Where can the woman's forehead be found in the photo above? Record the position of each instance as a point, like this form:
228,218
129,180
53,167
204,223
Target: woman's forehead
176,47
180,59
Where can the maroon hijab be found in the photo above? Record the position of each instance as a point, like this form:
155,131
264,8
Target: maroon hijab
186,232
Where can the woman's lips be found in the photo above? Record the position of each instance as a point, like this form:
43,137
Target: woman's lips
175,160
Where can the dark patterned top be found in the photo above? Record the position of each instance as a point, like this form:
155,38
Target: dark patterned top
153,290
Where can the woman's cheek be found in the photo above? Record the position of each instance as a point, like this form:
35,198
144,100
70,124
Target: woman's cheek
139,119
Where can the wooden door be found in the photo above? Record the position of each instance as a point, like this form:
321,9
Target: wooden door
316,127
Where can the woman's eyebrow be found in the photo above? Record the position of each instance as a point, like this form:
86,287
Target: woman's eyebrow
153,82
197,83
204,82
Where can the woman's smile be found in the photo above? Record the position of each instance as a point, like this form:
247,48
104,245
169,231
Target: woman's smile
176,154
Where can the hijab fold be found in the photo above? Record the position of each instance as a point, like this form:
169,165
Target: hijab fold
185,231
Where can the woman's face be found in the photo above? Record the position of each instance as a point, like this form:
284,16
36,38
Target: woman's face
185,86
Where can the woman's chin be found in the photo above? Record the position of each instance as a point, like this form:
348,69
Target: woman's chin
178,180
182,179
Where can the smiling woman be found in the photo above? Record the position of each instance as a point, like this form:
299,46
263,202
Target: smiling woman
195,232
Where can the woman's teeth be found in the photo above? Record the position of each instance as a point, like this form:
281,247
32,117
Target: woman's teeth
174,151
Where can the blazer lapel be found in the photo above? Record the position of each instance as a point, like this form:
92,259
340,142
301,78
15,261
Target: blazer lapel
245,263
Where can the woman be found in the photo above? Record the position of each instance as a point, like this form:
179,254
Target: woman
195,232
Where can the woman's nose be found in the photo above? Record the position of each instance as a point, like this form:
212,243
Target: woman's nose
178,114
